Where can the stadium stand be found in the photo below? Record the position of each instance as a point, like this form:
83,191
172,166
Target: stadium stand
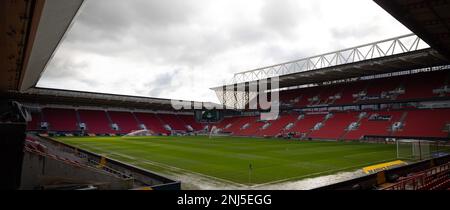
277,126
408,106
189,120
349,100
225,123
349,125
60,119
373,123
428,84
253,126
435,178
407,87
335,126
173,121
348,91
307,97
237,123
35,123
425,123
151,122
371,119
330,94
306,123
108,122
96,121
288,97
379,89
125,121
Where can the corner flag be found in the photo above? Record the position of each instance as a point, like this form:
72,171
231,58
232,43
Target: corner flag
250,168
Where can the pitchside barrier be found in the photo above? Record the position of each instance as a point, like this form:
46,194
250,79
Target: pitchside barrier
370,181
152,180
383,166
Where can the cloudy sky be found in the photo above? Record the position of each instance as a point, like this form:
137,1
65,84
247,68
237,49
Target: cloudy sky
180,48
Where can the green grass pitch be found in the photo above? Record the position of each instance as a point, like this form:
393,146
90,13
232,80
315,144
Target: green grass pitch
229,158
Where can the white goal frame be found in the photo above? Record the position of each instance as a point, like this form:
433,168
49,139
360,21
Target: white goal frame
417,149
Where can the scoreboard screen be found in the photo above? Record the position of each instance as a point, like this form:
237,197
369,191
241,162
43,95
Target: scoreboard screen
207,115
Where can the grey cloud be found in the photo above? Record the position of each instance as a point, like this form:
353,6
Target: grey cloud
117,28
355,32
284,17
249,33
169,35
161,30
163,13
114,19
68,69
160,84
65,68
99,19
280,54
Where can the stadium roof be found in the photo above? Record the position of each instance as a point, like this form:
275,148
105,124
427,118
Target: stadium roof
80,98
429,19
386,56
30,31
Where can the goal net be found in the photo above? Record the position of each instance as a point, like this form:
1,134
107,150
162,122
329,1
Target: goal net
413,149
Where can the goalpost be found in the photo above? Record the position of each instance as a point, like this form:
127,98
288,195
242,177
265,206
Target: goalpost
415,149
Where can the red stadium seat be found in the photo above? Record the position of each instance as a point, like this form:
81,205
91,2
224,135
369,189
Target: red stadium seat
173,121
35,123
253,127
277,126
415,86
425,123
61,119
306,124
414,122
335,127
190,120
372,127
152,122
125,120
96,121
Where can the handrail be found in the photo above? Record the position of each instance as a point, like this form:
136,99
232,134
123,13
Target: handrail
421,179
78,164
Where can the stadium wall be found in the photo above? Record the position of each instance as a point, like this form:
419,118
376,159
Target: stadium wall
151,179
373,181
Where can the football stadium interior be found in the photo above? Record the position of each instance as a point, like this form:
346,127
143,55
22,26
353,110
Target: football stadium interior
375,116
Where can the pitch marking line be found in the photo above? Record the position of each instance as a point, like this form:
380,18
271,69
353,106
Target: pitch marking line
123,155
109,152
162,165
